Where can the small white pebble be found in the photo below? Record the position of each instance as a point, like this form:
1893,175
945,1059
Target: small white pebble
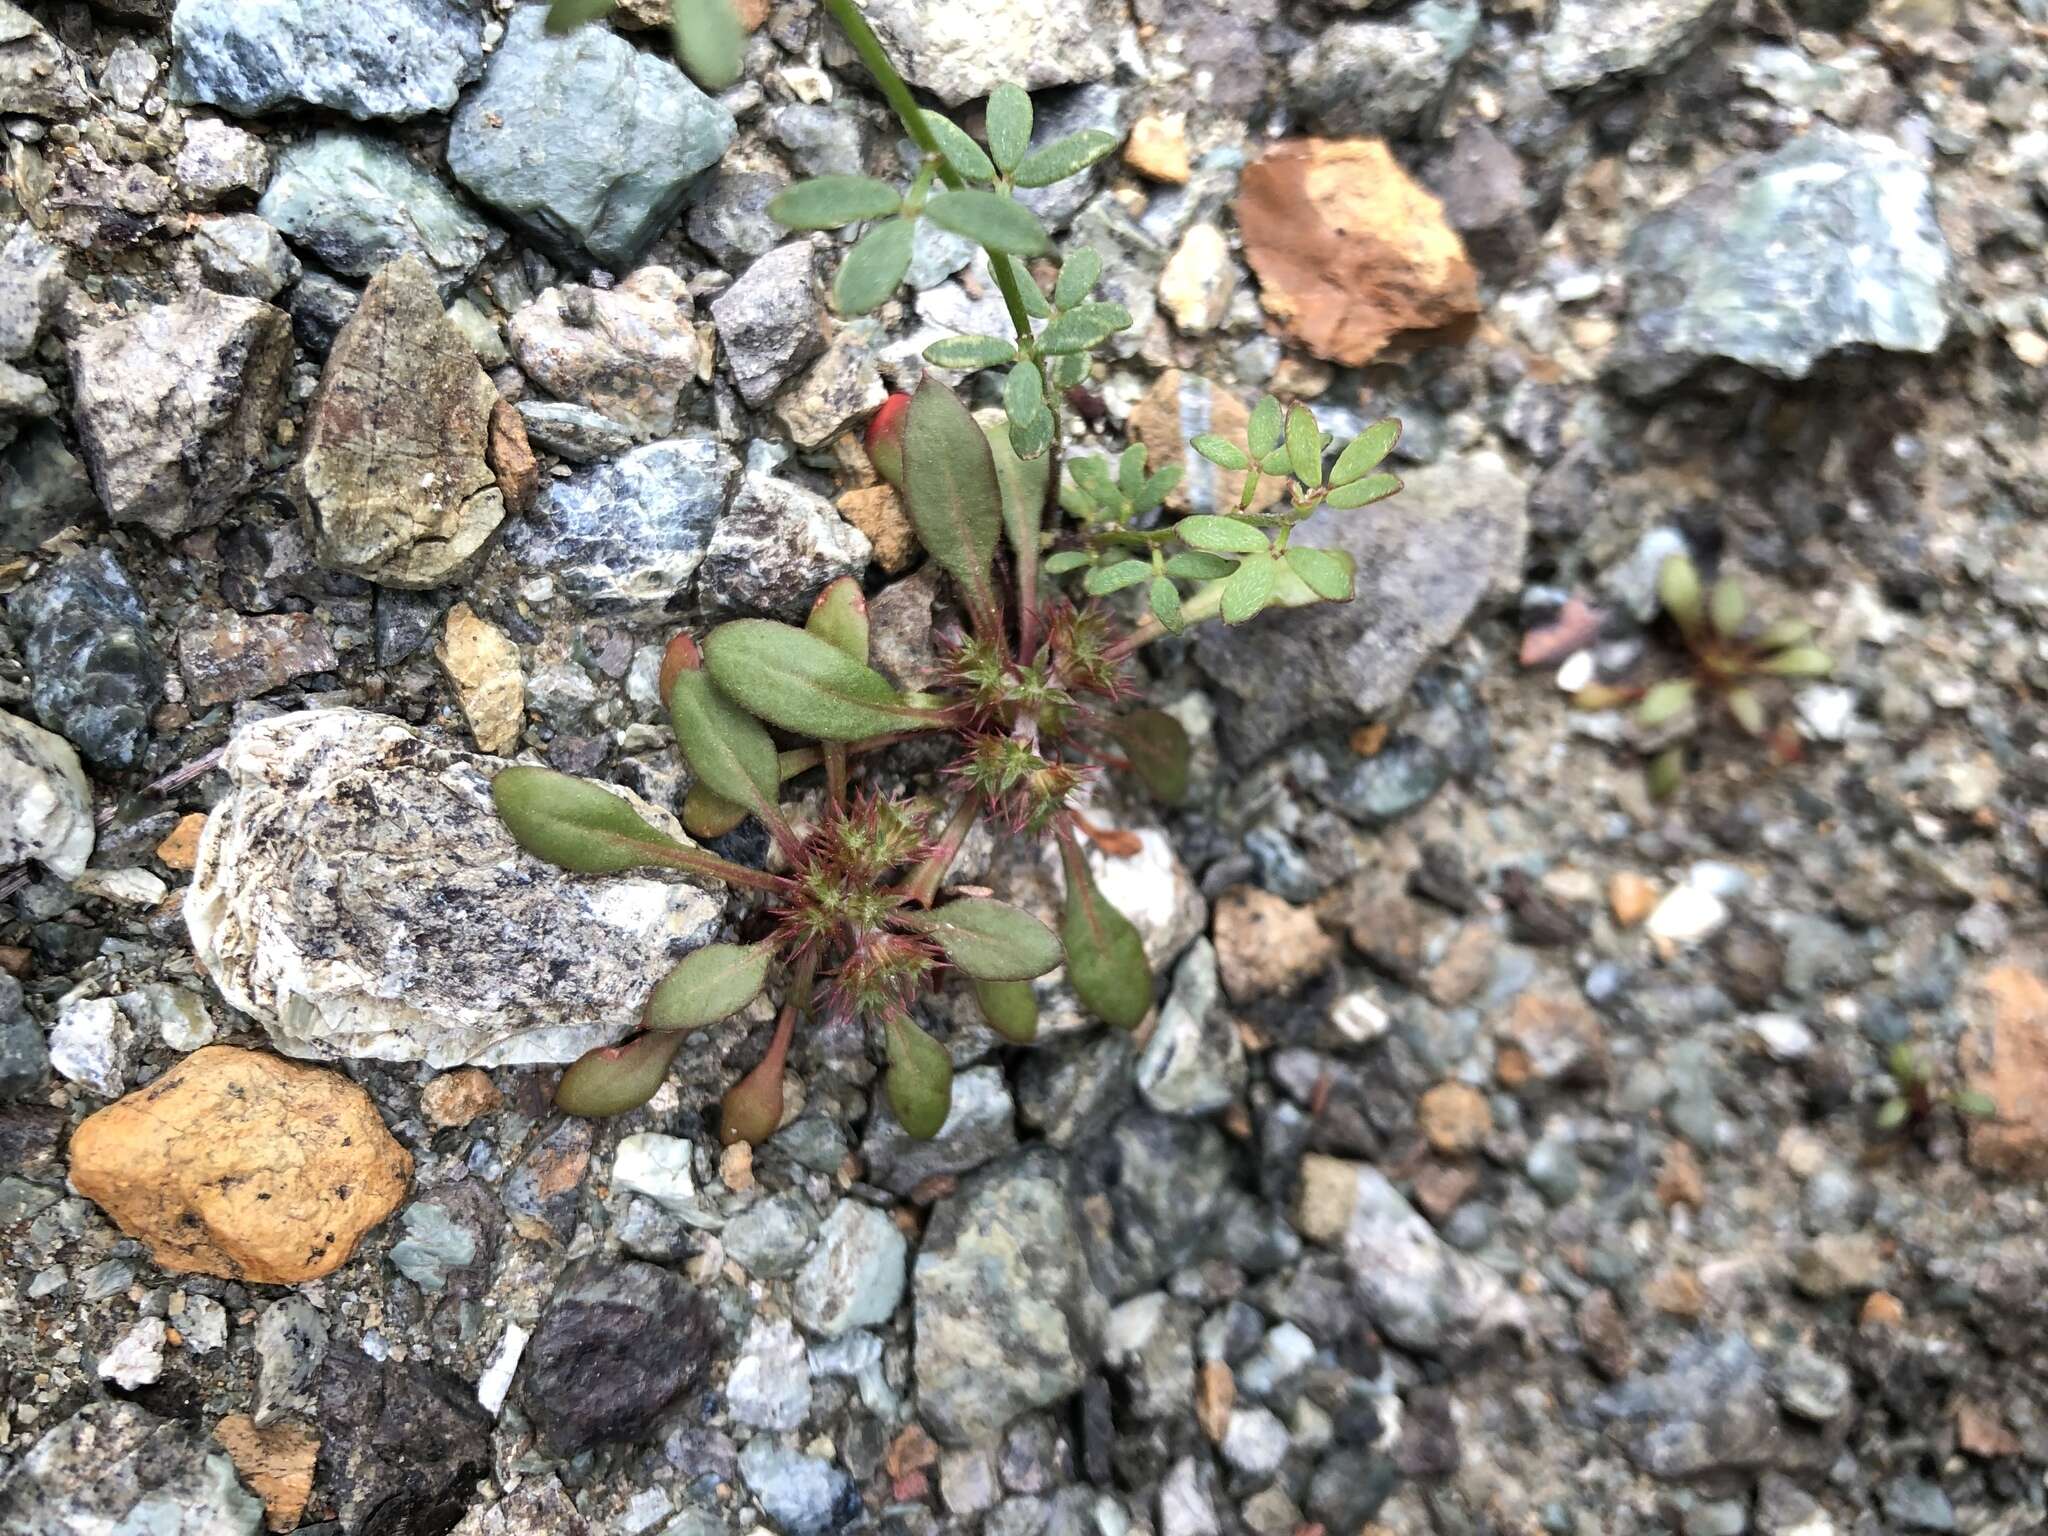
1577,671
1687,915
496,1380
137,1359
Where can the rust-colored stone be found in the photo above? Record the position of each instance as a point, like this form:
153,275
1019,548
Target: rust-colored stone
511,458
458,1097
1266,946
243,1165
877,511
2006,1058
276,1463
180,850
1350,251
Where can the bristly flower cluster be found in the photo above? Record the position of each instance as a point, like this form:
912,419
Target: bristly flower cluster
863,922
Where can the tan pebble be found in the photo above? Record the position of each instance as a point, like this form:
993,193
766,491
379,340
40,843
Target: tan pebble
1631,897
877,511
458,1097
736,1166
276,1462
1158,147
180,850
1455,1118
1677,1292
483,664
1882,1309
1215,1396
1679,1180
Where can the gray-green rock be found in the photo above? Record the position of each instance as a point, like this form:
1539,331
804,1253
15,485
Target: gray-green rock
114,1467
357,203
95,668
1592,42
1777,260
583,138
368,58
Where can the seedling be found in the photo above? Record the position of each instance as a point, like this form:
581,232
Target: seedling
1916,1094
1735,658
1030,692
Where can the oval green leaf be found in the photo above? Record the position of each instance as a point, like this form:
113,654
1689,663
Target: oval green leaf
1079,274
1262,432
1249,588
575,824
727,748
1304,447
1105,957
990,220
1365,451
874,269
1364,492
1065,157
1105,579
568,15
1023,481
963,352
707,815
1066,560
804,684
989,940
709,984
840,617
1222,452
952,495
1158,749
1009,125
1010,1008
1083,328
1329,576
710,43
1163,598
1222,535
832,202
961,152
1198,565
1031,424
919,1081
615,1079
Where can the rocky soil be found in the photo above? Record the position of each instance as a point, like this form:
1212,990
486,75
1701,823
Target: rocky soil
382,381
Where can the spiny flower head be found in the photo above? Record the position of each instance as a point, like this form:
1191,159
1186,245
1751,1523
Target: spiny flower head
1023,789
883,973
1078,642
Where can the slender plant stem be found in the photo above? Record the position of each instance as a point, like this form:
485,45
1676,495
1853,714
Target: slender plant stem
923,887
835,773
711,865
897,94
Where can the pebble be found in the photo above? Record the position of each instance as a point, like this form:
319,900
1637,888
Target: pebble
45,801
366,59
1688,914
855,1276
357,203
770,1384
137,1358
629,352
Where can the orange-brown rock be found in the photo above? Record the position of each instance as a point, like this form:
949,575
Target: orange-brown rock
877,511
1455,1118
180,850
2005,1055
511,458
1265,946
458,1097
1350,251
276,1463
244,1165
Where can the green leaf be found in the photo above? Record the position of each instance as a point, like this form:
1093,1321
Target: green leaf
1028,289
568,15
1262,432
1222,535
989,940
919,1081
1067,560
970,352
1065,157
1664,703
1892,1114
1784,634
1079,274
1728,606
804,684
1802,661
1748,710
1163,598
1277,462
1009,125
1010,1008
727,748
710,984
960,151
1198,565
874,268
1130,471
1083,328
616,1079
952,495
1023,482
1222,452
1031,424
1363,492
1249,588
989,219
1105,957
1091,473
1069,369
1304,447
707,815
1678,588
575,824
833,202
1328,575
1666,773
1977,1104
1105,579
1158,749
1365,451
1156,488
709,41
840,617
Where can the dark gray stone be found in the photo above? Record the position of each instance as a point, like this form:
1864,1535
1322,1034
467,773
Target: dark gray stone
96,673
618,1341
404,1444
368,58
1153,1187
980,1126
24,1057
768,321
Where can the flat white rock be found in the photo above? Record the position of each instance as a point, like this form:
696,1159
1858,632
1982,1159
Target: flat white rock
357,894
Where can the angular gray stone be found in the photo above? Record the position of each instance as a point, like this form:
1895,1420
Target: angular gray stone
842,387
175,404
768,321
1193,1063
1378,78
1006,1313
770,1239
583,138
1419,1292
220,161
573,432
1709,1410
93,665
629,352
356,203
625,537
1450,541
1601,42
38,75
770,1384
368,58
357,894
1776,260
962,52
775,547
114,1469
242,254
397,470
24,1056
801,1495
45,802
32,287
854,1277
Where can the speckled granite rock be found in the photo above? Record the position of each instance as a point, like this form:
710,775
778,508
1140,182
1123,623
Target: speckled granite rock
45,802
113,1468
960,52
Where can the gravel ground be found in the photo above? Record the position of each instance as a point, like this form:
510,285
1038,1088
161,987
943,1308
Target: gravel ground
381,385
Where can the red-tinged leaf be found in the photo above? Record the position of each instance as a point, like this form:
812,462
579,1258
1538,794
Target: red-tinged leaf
919,1081
709,984
1010,1008
616,1078
840,615
575,824
988,940
1157,747
952,494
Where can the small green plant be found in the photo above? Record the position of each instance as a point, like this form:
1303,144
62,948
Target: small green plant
1032,693
1735,656
1916,1094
